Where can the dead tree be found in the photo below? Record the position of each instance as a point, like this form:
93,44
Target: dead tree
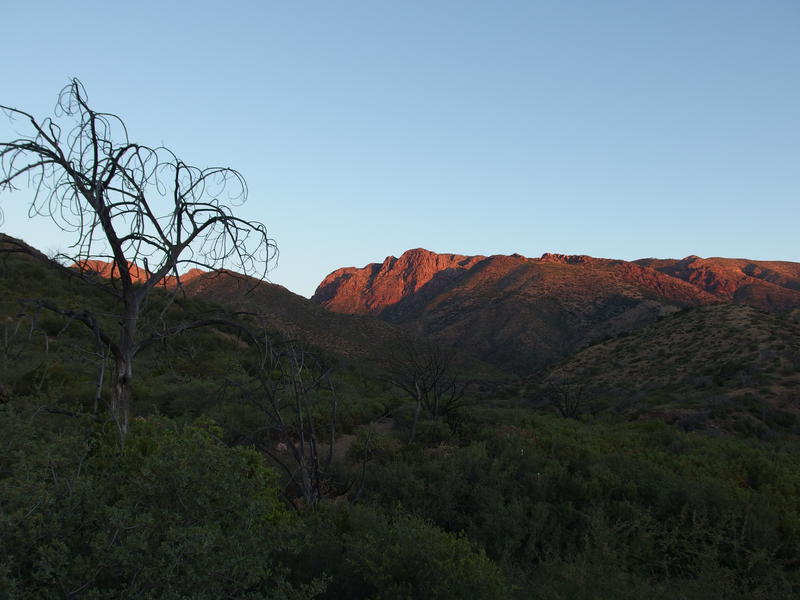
428,373
286,388
568,398
140,210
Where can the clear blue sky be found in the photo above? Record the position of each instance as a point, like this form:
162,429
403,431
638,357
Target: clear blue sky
617,129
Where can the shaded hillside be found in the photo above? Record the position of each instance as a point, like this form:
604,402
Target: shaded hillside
358,337
712,364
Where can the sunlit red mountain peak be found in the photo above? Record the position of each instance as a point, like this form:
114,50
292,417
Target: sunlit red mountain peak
108,270
371,288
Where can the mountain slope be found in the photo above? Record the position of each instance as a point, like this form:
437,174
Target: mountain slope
522,313
710,364
511,311
349,336
769,285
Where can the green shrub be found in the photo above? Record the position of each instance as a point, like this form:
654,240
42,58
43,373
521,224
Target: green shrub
368,555
174,515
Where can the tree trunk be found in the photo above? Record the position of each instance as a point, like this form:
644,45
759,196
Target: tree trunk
417,410
98,390
123,368
121,400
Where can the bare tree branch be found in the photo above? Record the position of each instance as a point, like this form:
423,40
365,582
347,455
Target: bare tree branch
286,389
428,373
129,204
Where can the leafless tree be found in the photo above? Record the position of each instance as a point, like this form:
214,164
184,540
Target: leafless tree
568,398
290,388
139,208
428,373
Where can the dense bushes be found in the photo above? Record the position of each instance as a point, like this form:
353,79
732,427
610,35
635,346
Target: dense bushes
370,555
669,506
175,515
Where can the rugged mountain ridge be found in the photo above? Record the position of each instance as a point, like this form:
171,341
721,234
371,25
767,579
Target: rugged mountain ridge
372,288
524,313
769,285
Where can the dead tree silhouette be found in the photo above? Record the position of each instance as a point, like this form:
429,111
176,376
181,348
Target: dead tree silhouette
139,208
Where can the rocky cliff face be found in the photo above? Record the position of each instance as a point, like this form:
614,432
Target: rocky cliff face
378,285
523,313
768,285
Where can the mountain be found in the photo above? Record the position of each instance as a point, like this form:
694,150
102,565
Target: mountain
523,313
352,338
376,286
355,338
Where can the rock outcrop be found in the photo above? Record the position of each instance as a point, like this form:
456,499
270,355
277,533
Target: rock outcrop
378,285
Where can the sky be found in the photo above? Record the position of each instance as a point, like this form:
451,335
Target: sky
616,129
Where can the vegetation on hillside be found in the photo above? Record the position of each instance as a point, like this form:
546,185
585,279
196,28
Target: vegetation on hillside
498,498
721,367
